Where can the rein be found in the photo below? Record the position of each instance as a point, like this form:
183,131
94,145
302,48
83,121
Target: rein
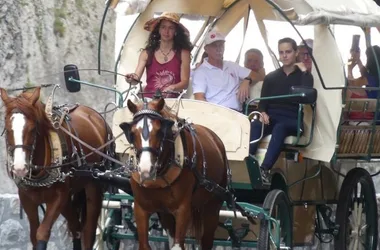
94,150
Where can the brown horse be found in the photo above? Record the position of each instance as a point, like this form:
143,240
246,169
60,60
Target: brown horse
78,199
162,185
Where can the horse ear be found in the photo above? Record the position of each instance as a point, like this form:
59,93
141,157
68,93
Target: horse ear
126,127
160,104
35,96
131,106
4,95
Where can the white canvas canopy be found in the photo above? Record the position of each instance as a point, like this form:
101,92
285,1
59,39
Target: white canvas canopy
320,13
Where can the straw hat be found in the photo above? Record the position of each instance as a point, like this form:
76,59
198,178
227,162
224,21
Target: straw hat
172,17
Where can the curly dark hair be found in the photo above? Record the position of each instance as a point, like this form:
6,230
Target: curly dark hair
181,40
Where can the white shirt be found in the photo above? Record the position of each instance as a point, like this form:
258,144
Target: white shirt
220,86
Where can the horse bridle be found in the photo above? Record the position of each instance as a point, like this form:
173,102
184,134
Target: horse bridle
11,149
154,115
144,114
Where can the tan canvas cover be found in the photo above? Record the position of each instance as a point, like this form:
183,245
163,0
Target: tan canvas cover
232,127
329,102
325,49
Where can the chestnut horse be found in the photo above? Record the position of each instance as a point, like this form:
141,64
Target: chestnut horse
162,185
78,199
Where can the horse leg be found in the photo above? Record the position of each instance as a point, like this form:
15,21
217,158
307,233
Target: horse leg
73,224
142,222
168,223
94,199
182,220
31,210
53,210
210,223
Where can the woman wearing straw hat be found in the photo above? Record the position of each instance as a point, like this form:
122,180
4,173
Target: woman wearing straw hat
166,56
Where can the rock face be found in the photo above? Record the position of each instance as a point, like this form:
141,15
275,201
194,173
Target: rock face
14,232
39,37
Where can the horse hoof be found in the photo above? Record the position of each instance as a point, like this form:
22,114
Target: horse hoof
77,244
41,245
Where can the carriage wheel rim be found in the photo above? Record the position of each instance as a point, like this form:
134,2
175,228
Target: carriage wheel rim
360,233
284,236
278,207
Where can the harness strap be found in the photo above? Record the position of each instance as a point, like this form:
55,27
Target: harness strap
147,149
66,118
92,148
224,194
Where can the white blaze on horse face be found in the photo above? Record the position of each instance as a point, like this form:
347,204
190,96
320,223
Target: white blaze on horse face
19,161
145,158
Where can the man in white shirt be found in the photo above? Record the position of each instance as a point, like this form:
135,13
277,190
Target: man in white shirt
221,82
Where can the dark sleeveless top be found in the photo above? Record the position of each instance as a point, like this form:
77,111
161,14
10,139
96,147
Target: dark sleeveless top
159,76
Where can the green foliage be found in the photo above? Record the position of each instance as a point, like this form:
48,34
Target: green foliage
28,83
96,30
60,13
38,33
24,3
59,27
79,5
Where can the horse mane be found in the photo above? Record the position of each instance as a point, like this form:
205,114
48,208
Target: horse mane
35,112
168,113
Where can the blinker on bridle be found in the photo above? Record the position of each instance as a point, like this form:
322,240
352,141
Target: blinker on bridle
146,113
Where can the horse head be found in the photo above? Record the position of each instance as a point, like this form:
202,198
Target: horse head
21,125
149,132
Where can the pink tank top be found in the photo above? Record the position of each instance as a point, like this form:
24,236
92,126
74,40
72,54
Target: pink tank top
159,76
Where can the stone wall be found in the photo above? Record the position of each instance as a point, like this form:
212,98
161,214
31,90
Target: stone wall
39,37
14,232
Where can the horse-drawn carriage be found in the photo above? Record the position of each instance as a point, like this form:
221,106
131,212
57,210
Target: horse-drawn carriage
320,185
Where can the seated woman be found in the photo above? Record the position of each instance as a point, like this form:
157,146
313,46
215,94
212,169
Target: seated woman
369,78
166,56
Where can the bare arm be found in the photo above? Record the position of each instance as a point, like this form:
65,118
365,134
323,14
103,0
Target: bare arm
362,68
200,97
359,82
143,58
185,71
257,76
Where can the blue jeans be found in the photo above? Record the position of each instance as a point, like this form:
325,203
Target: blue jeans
282,123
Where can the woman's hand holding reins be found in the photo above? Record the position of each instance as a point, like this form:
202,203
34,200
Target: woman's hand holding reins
132,78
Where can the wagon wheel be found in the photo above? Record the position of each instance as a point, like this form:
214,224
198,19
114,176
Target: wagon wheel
115,219
278,206
356,213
